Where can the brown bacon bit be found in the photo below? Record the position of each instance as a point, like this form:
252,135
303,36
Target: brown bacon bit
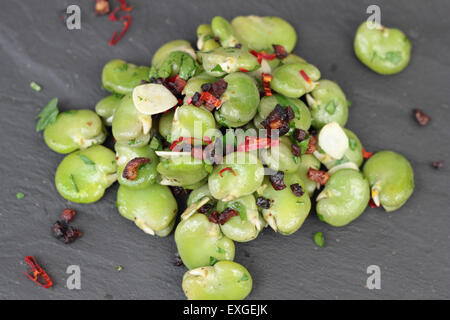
196,100
278,119
64,232
319,176
263,202
366,154
305,76
296,150
280,51
421,117
312,145
238,45
299,135
222,218
297,189
68,215
178,191
131,169
438,164
277,181
214,217
205,208
101,7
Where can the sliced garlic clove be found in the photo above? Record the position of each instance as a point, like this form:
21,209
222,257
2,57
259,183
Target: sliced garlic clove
333,140
146,122
193,208
153,98
170,154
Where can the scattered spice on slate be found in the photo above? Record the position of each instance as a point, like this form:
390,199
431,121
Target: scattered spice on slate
421,117
68,215
438,164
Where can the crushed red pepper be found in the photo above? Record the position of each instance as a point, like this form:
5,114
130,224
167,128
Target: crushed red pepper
266,79
253,143
280,51
243,70
438,164
37,274
421,117
366,154
305,76
312,145
68,215
263,55
131,169
126,25
223,217
318,176
227,169
277,181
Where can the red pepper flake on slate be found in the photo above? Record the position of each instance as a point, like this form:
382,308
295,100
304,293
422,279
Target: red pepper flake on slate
319,176
126,25
243,70
131,169
101,7
421,117
37,274
68,215
64,232
305,76
296,150
312,145
297,189
263,202
438,164
299,134
280,51
277,181
227,169
266,78
366,154
124,6
222,218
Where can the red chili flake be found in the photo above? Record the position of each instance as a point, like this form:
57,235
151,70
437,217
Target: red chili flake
223,217
438,164
421,117
277,181
372,203
89,123
101,7
124,6
280,51
210,100
189,100
68,215
319,176
131,169
37,274
297,189
243,70
366,154
263,202
253,143
126,25
188,140
305,76
312,145
227,169
112,15
266,79
263,55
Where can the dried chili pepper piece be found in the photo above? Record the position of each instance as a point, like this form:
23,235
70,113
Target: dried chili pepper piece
130,171
277,181
421,117
101,7
366,154
280,51
227,169
263,202
266,79
223,217
124,6
68,215
279,119
297,189
372,203
438,164
243,70
37,274
305,76
126,25
263,55
211,102
318,176
71,235
312,145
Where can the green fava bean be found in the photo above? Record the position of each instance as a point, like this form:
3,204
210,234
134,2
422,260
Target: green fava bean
75,129
247,225
291,82
106,107
287,211
177,62
344,198
205,38
239,101
165,124
327,103
391,179
308,161
384,50
146,172
226,280
191,121
182,170
176,45
280,158
83,176
244,176
129,126
221,61
200,193
153,208
121,77
293,58
223,30
302,118
200,241
260,33
195,85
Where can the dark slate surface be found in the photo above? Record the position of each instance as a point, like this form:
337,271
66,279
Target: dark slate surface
411,245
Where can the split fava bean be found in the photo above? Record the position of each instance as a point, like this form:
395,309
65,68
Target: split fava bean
222,29
74,129
106,107
293,80
176,45
391,179
221,61
198,240
280,158
226,280
165,124
344,198
192,121
153,208
121,77
384,50
182,170
83,176
205,38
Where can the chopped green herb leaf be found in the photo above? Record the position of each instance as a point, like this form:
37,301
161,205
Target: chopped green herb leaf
155,143
240,208
217,68
319,239
119,268
132,141
20,195
86,160
331,107
352,144
212,261
349,103
220,250
35,86
125,66
244,277
320,217
47,115
74,184
395,57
